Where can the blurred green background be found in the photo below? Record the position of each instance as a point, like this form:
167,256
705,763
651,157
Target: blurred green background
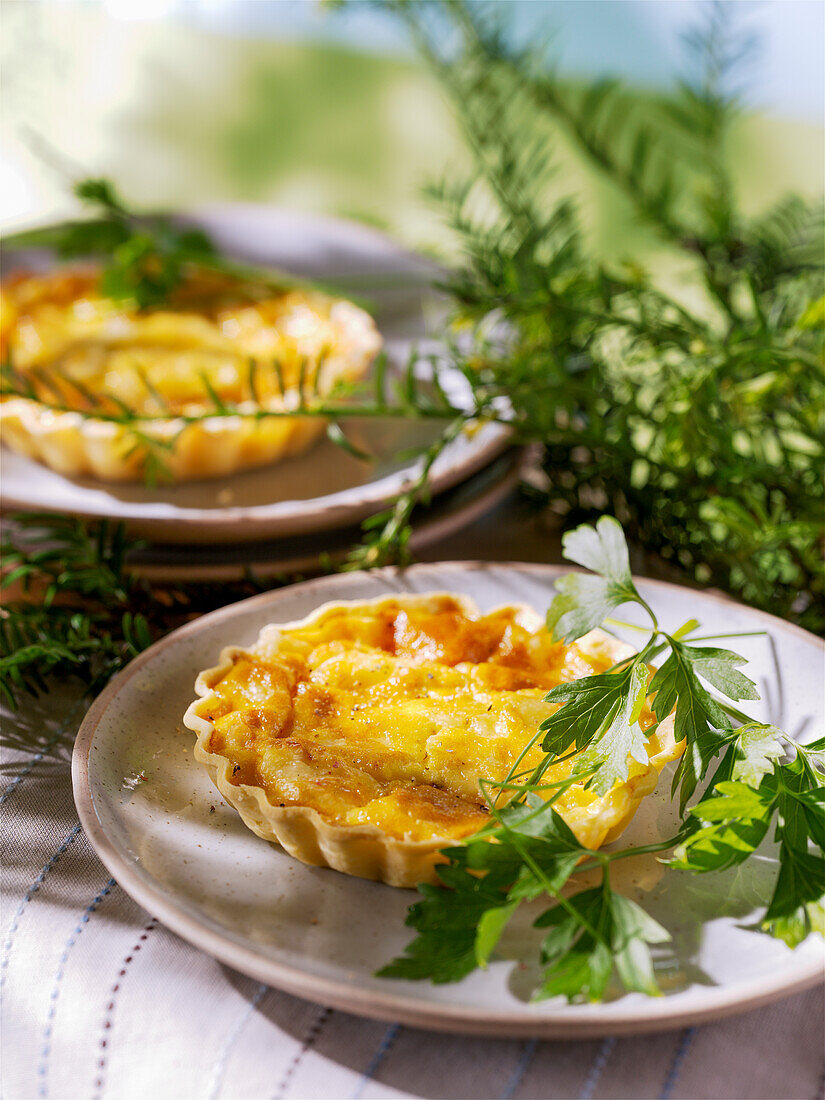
285,103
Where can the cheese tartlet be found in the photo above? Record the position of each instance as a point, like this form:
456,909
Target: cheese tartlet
253,349
356,737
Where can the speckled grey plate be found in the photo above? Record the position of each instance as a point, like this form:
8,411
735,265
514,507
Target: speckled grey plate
178,850
449,512
325,487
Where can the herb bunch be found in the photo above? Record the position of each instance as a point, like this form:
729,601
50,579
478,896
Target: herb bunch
77,611
73,609
756,776
697,415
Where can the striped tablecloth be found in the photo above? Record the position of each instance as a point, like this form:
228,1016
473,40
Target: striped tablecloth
99,1000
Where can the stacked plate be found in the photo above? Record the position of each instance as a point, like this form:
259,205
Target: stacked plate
285,517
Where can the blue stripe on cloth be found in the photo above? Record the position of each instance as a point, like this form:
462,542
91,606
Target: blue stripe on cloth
675,1067
63,729
27,897
43,1066
591,1081
377,1059
216,1077
523,1064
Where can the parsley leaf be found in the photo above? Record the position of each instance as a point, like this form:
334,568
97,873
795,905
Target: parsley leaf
577,960
799,893
811,805
460,923
590,707
700,721
596,932
757,747
100,192
448,923
601,549
812,759
796,926
609,751
718,667
735,819
584,601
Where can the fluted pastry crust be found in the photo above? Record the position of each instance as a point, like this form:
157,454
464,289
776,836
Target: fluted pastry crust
354,738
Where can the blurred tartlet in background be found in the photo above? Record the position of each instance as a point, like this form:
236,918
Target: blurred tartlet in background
220,345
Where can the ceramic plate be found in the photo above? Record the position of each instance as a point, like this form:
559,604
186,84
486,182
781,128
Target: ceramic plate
179,851
449,513
325,487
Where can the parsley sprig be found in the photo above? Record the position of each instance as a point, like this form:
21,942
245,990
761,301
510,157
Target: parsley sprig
754,776
146,256
601,712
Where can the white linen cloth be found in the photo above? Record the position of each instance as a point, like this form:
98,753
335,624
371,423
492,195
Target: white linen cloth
98,1000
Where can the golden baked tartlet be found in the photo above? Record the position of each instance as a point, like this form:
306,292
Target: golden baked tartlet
218,337
356,738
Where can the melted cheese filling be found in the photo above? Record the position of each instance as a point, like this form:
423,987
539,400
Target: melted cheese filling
73,343
389,715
